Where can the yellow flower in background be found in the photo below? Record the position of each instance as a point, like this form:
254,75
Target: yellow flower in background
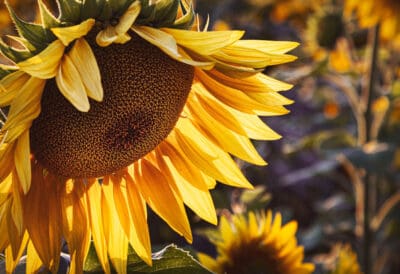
257,244
324,39
346,260
372,12
284,9
114,106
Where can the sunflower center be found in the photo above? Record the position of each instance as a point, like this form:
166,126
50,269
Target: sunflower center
144,93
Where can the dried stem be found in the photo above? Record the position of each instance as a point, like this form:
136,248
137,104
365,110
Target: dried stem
368,97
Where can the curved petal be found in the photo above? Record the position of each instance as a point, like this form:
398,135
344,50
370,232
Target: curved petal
69,34
94,196
204,43
33,262
106,36
45,64
75,223
10,86
71,86
85,62
23,161
160,197
128,18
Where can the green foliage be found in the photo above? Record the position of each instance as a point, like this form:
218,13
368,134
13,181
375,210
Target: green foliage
169,260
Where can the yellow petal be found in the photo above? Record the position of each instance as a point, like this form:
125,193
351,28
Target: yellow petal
117,243
254,127
44,228
13,259
6,161
274,47
71,86
94,196
123,38
185,138
160,39
69,34
33,262
234,97
85,62
75,223
10,85
139,236
228,140
23,161
128,18
190,183
159,196
45,64
24,109
106,36
204,43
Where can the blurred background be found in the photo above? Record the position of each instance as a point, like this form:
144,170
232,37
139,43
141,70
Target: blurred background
336,168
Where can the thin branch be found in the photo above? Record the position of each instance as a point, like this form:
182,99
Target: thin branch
387,206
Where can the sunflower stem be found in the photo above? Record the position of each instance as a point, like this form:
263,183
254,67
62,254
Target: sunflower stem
368,184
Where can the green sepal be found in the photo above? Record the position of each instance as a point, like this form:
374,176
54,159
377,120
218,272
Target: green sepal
38,36
117,7
125,7
91,8
165,13
186,21
106,12
5,70
147,13
70,11
13,54
47,18
22,41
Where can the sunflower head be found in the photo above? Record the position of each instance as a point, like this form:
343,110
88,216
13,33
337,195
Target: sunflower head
257,243
327,26
112,106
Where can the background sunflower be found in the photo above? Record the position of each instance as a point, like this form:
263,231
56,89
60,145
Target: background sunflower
334,172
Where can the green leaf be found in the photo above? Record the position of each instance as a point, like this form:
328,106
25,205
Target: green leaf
48,19
38,36
70,10
170,260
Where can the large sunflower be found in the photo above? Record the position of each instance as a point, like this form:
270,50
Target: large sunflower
116,105
257,244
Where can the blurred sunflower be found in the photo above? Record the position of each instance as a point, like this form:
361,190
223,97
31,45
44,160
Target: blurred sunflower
115,105
257,244
283,10
324,39
372,12
346,260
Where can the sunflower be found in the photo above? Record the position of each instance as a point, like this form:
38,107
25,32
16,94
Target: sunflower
324,39
257,244
116,105
372,12
346,260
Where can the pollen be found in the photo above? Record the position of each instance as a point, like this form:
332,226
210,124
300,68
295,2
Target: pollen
144,94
